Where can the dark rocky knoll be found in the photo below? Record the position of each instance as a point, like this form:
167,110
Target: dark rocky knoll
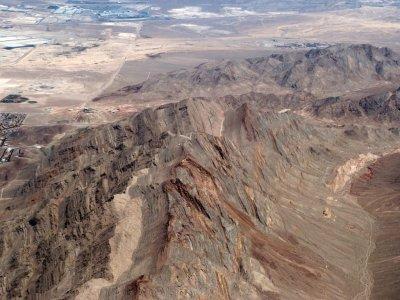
13,98
332,71
192,199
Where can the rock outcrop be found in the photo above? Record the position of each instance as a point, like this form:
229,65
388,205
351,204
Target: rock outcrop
9,124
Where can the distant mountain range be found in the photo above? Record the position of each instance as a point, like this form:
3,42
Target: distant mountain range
294,80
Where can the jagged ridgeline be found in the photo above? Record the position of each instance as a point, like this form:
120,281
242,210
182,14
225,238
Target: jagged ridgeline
332,71
228,197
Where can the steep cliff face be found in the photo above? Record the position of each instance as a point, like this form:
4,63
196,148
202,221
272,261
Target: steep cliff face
192,199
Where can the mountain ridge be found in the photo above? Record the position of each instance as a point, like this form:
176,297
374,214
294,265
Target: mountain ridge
212,204
247,195
317,71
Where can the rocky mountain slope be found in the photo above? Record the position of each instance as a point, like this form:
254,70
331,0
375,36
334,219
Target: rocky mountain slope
193,199
245,193
377,105
332,71
380,106
377,191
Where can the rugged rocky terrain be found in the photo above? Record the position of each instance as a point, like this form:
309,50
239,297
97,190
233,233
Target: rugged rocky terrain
381,106
9,124
233,197
332,71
